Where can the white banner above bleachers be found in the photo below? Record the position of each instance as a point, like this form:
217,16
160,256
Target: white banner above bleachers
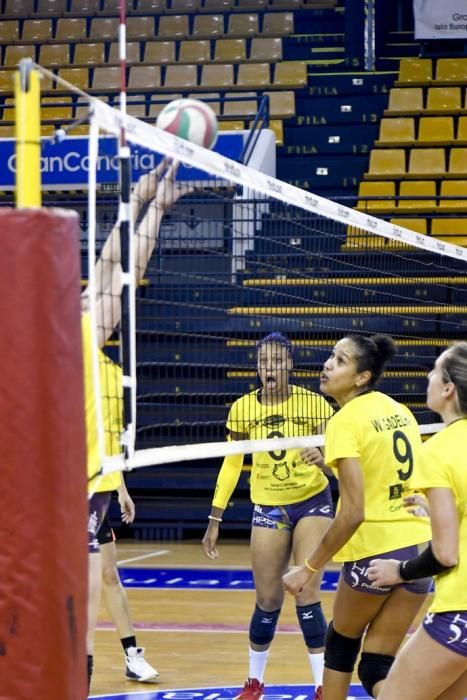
440,19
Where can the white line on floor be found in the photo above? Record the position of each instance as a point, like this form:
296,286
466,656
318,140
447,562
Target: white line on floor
157,553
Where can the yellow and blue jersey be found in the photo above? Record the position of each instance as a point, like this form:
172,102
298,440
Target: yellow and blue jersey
384,436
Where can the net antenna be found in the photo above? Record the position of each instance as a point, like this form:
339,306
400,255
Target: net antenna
128,321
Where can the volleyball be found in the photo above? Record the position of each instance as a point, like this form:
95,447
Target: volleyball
191,120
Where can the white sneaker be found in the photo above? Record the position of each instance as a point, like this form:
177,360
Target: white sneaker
137,668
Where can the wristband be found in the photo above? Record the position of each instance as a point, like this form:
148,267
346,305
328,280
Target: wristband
213,517
423,566
309,567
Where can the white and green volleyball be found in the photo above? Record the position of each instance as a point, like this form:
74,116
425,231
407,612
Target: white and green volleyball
192,120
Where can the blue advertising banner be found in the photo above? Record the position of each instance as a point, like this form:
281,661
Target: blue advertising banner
64,165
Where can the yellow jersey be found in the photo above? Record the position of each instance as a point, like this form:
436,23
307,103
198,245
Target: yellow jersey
384,436
443,464
280,477
111,391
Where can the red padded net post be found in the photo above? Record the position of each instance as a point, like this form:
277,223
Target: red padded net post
43,502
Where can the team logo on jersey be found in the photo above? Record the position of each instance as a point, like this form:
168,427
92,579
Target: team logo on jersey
273,421
281,471
395,491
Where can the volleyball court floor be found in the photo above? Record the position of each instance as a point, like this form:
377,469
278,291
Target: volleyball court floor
192,614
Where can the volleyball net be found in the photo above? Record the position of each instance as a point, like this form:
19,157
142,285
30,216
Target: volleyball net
224,254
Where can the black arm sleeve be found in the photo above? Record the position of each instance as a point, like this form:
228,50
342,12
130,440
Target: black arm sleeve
423,566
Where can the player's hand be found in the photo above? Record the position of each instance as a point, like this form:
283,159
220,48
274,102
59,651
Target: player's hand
127,508
384,572
210,540
168,190
297,579
312,455
417,505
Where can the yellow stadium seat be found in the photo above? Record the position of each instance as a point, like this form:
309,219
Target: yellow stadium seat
51,55
211,98
442,100
114,6
14,54
76,76
458,162
9,31
145,77
416,71
159,52
230,50
266,49
184,6
57,109
461,132
132,52
173,26
367,192
71,29
278,128
136,105
195,51
386,164
217,5
252,4
290,74
435,131
151,6
418,225
405,101
162,100
231,125
417,189
37,30
209,26
83,7
140,28
450,230
281,104
106,78
217,76
254,75
7,131
398,131
240,107
453,188
243,25
181,77
54,8
20,8
286,4
451,70
427,163
89,54
277,24
104,28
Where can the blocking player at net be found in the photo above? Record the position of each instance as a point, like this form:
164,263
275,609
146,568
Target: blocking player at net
292,503
372,443
158,188
442,475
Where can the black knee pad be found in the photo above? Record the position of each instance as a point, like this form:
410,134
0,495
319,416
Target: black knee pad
341,652
263,626
373,668
313,625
